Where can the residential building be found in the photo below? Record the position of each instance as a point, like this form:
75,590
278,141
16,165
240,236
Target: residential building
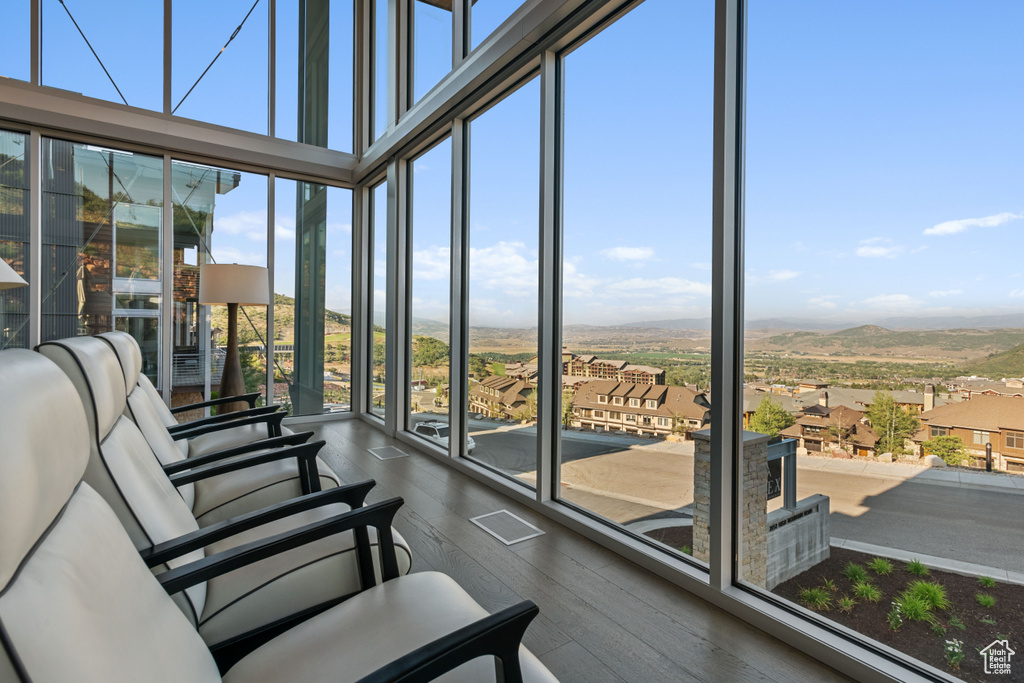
641,409
820,429
589,366
995,420
501,397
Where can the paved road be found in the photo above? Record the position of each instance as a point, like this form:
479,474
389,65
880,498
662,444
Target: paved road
971,525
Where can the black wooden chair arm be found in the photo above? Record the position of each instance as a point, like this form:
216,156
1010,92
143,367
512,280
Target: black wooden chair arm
353,495
498,635
248,398
272,420
378,515
217,419
305,455
206,458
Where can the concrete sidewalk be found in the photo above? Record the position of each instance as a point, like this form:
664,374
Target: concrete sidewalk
939,476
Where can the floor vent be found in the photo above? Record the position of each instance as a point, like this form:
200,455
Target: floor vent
388,452
506,527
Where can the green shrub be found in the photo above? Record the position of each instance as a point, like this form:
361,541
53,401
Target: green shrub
895,617
917,568
828,584
846,603
816,598
987,582
866,591
954,652
950,448
985,600
955,622
915,608
880,566
939,630
686,550
855,572
932,593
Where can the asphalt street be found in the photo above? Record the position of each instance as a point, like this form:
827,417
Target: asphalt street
971,525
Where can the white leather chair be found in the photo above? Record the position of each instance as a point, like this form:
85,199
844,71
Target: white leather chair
217,498
77,603
161,524
197,437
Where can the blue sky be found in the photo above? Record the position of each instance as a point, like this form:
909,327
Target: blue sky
884,158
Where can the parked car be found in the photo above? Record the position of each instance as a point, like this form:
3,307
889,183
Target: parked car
436,430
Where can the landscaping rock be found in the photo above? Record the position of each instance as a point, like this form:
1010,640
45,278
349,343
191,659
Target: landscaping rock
842,455
934,461
885,457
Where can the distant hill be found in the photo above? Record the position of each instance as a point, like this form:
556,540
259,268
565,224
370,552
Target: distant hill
284,320
998,365
963,344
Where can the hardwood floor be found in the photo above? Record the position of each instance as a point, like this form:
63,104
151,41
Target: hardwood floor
602,618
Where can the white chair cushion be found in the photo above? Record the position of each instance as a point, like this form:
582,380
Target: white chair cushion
287,583
229,495
376,627
84,608
229,438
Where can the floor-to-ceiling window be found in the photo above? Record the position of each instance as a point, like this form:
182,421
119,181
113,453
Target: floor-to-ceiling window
381,56
102,228
487,15
15,48
432,45
504,255
14,237
220,216
883,197
377,317
430,292
636,273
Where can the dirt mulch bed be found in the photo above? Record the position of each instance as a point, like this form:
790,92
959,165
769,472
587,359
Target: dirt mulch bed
678,537
982,625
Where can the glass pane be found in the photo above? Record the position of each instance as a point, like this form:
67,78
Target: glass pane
378,299
233,92
102,222
326,71
877,193
313,298
380,67
14,237
146,331
503,284
430,294
637,274
487,15
16,47
134,66
220,216
432,28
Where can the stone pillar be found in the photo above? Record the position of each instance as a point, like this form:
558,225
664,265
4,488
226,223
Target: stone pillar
753,510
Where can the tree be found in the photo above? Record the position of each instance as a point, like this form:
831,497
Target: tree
770,417
567,395
892,424
950,448
429,352
841,427
478,366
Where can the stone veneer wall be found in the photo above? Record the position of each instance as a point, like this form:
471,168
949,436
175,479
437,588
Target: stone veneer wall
754,523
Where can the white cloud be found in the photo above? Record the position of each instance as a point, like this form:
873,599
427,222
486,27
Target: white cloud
506,266
953,227
945,292
628,253
340,227
250,224
918,250
824,301
782,275
661,286
284,227
878,247
431,263
1017,293
229,254
892,301
701,266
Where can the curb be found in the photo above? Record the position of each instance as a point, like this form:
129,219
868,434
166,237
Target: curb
941,563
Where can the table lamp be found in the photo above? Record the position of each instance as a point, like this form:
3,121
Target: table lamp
232,285
9,279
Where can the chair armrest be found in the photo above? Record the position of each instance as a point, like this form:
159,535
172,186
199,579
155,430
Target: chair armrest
304,454
272,420
379,515
498,635
206,458
353,495
248,398
217,419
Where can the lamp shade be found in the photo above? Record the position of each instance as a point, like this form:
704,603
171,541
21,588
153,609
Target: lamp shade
9,279
230,283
